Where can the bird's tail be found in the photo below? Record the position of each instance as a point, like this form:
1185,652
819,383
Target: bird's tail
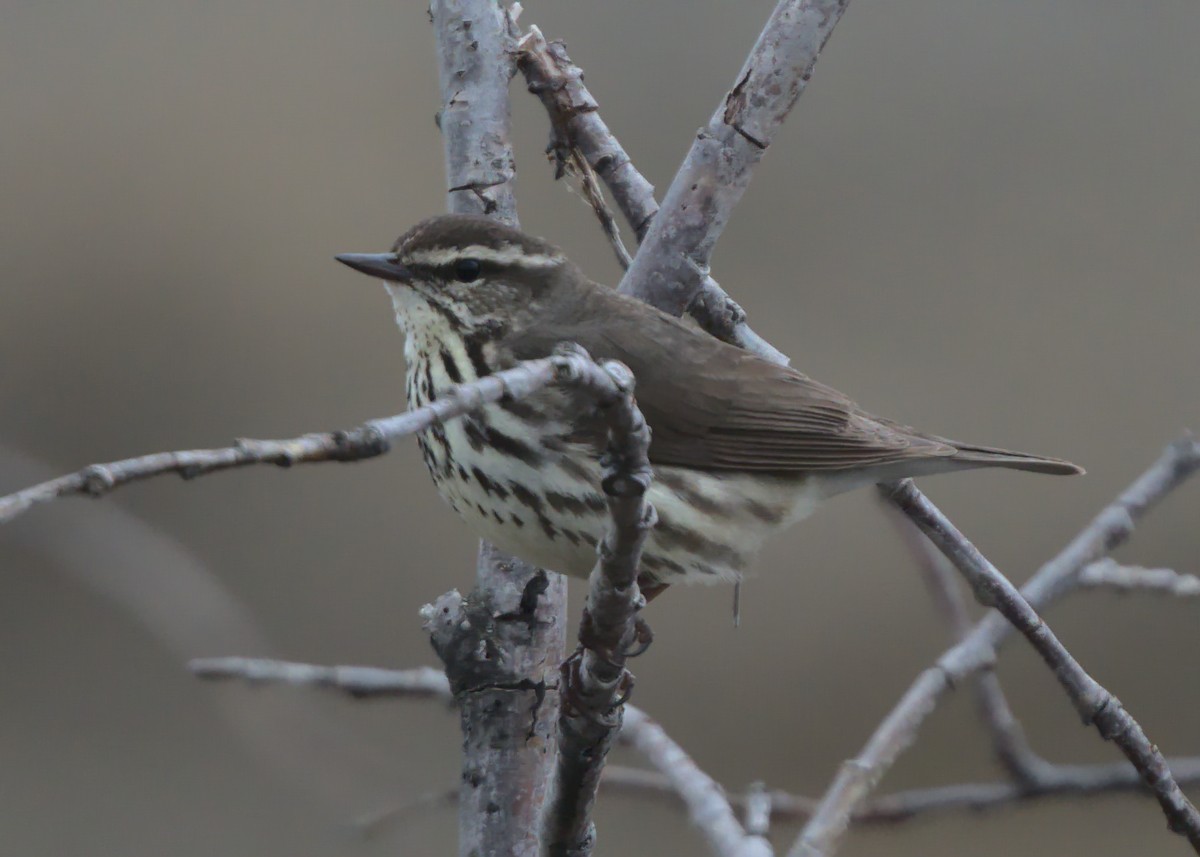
989,456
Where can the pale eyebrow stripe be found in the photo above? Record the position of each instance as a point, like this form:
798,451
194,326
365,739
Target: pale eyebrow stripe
510,254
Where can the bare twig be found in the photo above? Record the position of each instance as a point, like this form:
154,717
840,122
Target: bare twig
671,265
425,682
578,134
1017,757
370,439
1109,574
358,682
1095,705
1068,781
899,729
573,163
371,824
705,800
596,682
756,810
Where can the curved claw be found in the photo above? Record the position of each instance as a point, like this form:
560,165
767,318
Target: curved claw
642,638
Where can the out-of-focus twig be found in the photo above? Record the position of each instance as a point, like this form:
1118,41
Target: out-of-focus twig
1110,574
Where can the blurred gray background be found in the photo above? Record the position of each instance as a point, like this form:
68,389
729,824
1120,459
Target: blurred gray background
982,218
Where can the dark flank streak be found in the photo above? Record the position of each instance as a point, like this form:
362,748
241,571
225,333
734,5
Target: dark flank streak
481,434
669,535
511,446
526,497
516,520
766,514
567,503
572,536
656,562
474,432
427,383
489,485
438,433
520,410
451,367
686,492
575,468
595,502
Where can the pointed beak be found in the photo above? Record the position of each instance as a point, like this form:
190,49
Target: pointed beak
382,265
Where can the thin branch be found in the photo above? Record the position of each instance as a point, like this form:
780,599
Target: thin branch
358,682
578,134
573,163
1109,574
1060,575
645,735
1095,704
671,265
595,680
704,798
371,824
907,805
368,440
756,810
1012,748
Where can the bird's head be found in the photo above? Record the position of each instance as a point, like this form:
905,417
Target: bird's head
468,272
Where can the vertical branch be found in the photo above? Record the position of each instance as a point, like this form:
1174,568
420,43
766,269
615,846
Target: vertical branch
475,49
595,681
503,643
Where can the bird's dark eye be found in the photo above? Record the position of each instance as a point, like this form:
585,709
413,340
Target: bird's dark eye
466,270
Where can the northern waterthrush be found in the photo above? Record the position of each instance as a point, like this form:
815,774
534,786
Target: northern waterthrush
741,447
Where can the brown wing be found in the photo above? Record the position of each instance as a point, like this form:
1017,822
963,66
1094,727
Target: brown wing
712,406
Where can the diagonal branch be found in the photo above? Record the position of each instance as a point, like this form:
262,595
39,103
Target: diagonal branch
579,135
671,265
1056,578
1019,759
704,798
1095,705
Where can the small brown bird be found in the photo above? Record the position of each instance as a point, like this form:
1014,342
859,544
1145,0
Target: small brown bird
741,447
